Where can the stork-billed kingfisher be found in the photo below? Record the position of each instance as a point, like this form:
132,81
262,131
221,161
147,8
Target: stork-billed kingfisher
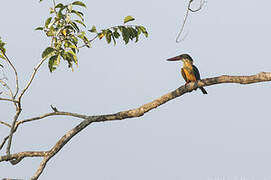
189,71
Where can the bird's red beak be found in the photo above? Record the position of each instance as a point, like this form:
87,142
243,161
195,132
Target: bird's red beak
177,58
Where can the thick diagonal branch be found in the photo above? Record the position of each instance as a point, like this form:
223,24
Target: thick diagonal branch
140,111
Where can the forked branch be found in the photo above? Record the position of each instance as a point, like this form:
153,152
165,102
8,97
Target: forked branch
18,107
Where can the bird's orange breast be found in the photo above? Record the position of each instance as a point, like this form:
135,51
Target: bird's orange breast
189,75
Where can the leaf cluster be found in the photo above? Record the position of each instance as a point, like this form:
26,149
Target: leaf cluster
127,32
2,51
63,27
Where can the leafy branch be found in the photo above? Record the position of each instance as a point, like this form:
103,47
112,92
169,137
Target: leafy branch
66,27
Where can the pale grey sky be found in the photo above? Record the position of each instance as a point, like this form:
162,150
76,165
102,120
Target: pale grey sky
225,134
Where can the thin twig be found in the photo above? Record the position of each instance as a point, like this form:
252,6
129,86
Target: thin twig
41,117
31,78
54,3
7,87
6,124
16,103
53,114
16,75
202,2
88,42
6,99
4,141
19,109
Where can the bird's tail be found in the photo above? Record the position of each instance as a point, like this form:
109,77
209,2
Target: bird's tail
203,90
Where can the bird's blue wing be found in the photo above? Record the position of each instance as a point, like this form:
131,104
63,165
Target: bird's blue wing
196,72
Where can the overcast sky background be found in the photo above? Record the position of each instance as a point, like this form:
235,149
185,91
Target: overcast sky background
225,134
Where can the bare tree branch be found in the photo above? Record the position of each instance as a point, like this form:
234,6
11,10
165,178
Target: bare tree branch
6,124
4,141
140,111
16,158
31,78
7,87
39,118
41,168
53,114
18,108
202,2
16,75
6,99
18,112
86,43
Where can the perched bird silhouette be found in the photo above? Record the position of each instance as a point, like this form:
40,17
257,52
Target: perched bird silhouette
189,71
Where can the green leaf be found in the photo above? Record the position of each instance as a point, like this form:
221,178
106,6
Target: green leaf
58,59
74,40
47,22
93,29
1,66
114,39
144,31
108,36
73,56
128,19
66,44
69,27
125,35
59,14
74,25
138,30
52,63
82,35
39,28
2,49
49,51
79,3
132,35
135,34
116,34
80,22
51,31
73,47
59,5
79,14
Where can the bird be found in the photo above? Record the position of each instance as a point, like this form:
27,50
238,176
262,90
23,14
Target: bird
189,71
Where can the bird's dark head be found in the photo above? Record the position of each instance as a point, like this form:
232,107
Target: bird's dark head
183,57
